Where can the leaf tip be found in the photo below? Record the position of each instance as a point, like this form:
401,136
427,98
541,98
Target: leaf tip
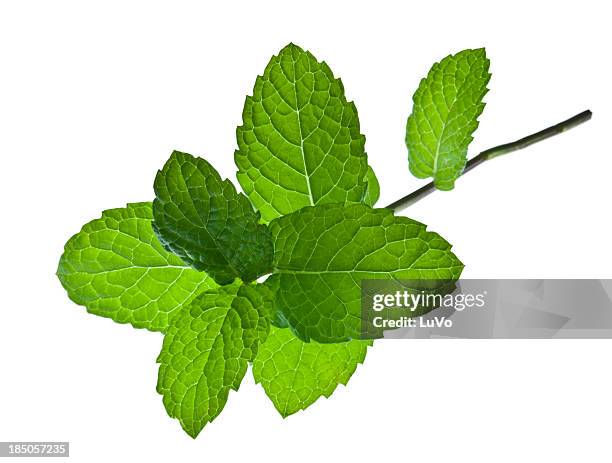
292,47
192,429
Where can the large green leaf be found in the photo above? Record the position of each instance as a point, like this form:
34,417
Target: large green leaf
116,267
204,221
295,374
300,142
445,114
322,253
206,351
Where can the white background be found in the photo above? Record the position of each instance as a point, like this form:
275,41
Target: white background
95,95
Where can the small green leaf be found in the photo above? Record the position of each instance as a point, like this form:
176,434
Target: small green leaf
322,253
206,351
117,268
300,142
372,192
295,374
445,115
204,221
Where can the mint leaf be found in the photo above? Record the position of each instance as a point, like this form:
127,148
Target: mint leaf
322,253
372,192
445,114
295,374
206,351
300,142
204,221
116,267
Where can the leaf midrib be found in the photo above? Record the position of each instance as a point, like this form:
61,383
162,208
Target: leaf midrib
297,110
444,127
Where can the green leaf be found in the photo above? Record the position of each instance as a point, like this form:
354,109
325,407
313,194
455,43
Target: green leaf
206,351
445,114
204,221
322,253
372,192
300,142
295,374
116,267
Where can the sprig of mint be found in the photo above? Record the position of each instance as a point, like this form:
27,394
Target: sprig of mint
273,277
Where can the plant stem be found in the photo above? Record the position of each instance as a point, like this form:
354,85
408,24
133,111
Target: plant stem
497,151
